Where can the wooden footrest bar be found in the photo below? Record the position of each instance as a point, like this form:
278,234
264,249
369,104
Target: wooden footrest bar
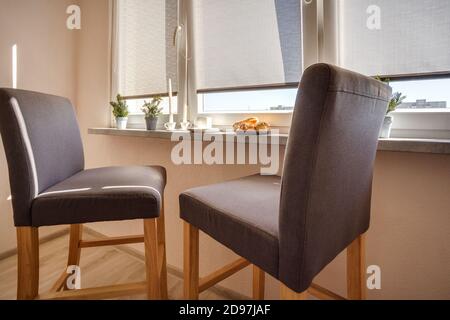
322,293
106,292
222,274
59,284
111,241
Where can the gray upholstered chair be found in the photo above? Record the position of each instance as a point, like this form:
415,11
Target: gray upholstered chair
49,186
293,226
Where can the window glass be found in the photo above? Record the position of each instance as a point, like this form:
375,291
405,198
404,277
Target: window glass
274,100
135,105
424,95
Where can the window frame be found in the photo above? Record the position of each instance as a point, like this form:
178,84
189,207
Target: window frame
135,120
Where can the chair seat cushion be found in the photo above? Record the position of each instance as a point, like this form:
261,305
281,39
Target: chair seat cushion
241,214
103,194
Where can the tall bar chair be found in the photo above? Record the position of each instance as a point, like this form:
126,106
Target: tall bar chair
293,226
49,186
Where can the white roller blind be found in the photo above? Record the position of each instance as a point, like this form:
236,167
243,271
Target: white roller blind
413,36
146,55
247,43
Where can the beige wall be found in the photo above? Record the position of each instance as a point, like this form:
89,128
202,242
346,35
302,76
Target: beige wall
46,62
409,234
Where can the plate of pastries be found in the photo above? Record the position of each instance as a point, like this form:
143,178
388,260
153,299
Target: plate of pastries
251,126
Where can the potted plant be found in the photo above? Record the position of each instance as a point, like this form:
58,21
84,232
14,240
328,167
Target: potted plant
120,112
396,100
152,112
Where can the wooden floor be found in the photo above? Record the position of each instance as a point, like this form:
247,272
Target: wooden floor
99,266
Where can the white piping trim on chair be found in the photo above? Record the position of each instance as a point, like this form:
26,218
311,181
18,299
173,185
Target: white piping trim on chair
26,140
133,187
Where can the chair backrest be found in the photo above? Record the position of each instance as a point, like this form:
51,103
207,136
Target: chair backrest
42,144
327,176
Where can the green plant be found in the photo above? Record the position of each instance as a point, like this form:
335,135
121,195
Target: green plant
396,99
120,107
152,109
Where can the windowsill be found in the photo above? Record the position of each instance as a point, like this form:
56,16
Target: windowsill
167,135
436,146
422,111
266,112
433,146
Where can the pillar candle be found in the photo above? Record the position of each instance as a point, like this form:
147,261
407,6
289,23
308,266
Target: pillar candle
170,102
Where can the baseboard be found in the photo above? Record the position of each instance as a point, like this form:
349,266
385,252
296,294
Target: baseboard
174,271
47,238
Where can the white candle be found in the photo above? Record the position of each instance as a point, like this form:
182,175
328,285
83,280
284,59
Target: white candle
185,97
185,103
185,113
170,102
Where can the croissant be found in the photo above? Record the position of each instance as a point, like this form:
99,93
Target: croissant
246,124
251,124
251,121
262,126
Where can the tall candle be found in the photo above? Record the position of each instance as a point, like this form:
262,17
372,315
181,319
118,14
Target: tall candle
170,102
185,103
185,96
185,113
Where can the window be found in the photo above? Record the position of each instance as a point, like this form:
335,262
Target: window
390,38
407,41
146,57
247,55
238,58
241,46
424,95
256,101
425,112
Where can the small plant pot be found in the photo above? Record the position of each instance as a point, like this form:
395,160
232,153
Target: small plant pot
387,127
121,123
151,123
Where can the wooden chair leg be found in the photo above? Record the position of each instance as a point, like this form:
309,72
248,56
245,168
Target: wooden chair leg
191,262
76,232
288,294
27,263
151,259
258,283
356,286
162,246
